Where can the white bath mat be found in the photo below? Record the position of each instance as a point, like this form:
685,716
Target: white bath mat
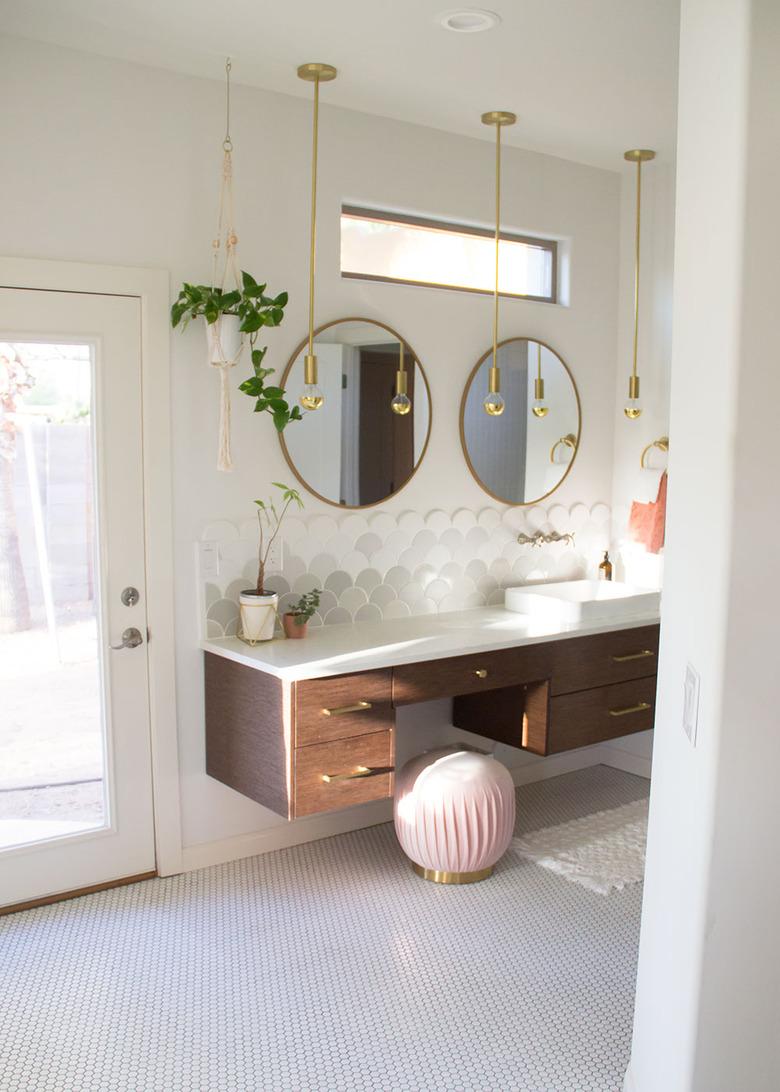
603,852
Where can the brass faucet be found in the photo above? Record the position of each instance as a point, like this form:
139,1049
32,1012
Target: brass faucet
538,538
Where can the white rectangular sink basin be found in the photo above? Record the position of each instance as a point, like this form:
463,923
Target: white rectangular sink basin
582,601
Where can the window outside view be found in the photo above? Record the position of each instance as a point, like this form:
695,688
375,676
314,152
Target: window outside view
51,732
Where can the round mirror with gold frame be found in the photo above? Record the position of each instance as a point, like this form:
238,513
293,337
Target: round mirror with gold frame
523,454
369,436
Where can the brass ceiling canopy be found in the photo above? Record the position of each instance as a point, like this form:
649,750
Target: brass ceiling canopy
314,72
633,406
494,401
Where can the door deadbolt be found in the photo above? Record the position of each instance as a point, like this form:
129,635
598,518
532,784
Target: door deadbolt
130,596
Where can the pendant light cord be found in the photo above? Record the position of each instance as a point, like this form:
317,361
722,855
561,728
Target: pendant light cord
498,222
636,263
313,212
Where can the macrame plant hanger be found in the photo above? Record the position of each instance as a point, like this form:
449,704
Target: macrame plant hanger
225,270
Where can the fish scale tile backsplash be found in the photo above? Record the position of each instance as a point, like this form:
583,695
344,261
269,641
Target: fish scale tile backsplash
377,566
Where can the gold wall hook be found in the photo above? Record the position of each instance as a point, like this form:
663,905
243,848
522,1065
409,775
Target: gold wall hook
662,444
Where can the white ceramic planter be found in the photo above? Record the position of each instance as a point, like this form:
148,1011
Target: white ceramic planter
225,340
258,615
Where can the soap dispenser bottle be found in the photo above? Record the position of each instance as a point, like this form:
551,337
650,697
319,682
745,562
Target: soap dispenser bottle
605,568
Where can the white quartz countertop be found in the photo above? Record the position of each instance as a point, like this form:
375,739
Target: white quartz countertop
365,646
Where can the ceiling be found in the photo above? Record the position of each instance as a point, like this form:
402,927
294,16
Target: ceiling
587,78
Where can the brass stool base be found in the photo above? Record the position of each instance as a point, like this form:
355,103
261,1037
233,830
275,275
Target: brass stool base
435,876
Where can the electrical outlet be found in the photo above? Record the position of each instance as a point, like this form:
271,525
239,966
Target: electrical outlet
209,559
691,703
273,563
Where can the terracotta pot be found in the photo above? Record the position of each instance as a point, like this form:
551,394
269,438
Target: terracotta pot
258,615
291,627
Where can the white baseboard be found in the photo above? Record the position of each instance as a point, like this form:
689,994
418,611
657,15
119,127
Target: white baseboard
625,760
367,815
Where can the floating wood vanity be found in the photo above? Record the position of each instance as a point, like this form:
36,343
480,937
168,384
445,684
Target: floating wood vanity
308,726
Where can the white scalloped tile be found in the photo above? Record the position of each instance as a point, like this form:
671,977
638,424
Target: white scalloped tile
213,629
537,517
452,539
569,567
382,595
512,551
558,518
489,552
578,517
396,609
382,523
438,556
600,514
474,599
368,579
515,519
211,594
451,572
411,558
452,602
306,582
411,593
437,521
424,540
368,543
537,576
486,584
424,574
293,568
524,565
383,559
338,581
489,518
500,569
463,520
397,541
353,599
496,598
475,569
338,545
231,629
369,612
222,611
354,525
354,562
463,587
307,548
328,600
475,536
323,527
220,530
463,555
293,528
397,577
337,616
410,523
273,583
437,590
316,620
323,565
424,606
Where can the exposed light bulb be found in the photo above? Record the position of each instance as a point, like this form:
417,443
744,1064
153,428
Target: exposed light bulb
401,404
539,409
311,397
632,408
494,404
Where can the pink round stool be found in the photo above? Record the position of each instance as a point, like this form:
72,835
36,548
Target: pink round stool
454,814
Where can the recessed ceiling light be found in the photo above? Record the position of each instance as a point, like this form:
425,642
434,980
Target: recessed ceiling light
468,20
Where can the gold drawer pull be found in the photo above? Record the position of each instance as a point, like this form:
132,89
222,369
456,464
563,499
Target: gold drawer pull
638,708
633,656
359,771
481,673
358,707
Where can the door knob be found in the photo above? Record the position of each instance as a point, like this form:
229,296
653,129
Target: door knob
131,638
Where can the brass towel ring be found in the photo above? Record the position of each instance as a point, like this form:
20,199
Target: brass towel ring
662,443
569,440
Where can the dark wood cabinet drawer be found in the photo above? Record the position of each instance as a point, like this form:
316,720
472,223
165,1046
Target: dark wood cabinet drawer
329,776
593,716
342,706
469,674
581,663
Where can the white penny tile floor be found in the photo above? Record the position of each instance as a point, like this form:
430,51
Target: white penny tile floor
332,967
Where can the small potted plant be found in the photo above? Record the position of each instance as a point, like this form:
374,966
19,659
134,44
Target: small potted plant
257,605
296,620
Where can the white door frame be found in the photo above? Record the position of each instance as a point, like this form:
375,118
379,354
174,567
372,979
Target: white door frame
151,287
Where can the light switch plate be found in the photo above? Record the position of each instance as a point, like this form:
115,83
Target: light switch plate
209,559
691,703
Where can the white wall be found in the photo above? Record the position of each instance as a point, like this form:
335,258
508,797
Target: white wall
708,995
109,162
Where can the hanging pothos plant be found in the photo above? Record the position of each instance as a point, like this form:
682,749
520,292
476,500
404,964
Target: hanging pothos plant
254,309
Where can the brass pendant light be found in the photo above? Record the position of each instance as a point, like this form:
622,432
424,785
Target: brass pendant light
401,402
312,397
494,402
633,406
539,407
